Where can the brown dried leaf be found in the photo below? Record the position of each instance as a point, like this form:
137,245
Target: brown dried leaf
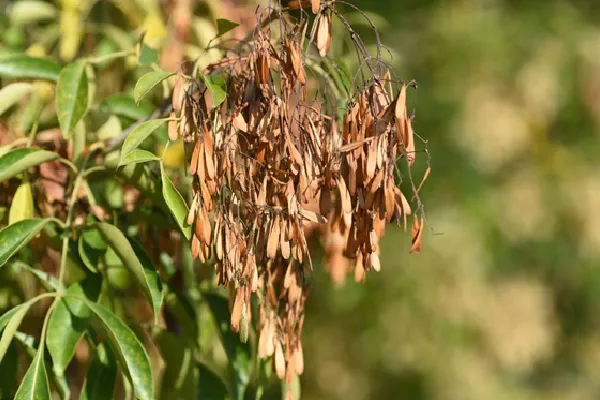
417,235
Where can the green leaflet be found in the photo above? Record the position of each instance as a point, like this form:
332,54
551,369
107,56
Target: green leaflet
148,82
71,96
137,261
14,237
18,160
133,356
240,357
139,134
101,376
175,203
23,66
69,321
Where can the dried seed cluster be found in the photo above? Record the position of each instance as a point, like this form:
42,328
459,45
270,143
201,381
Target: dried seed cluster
269,162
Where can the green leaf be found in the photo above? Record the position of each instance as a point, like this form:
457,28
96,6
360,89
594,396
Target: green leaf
175,203
35,384
137,261
49,282
78,143
132,355
101,376
18,160
11,321
217,88
224,26
147,82
211,385
91,248
27,11
71,96
138,156
21,207
69,321
31,345
125,106
110,129
14,237
11,94
147,55
23,66
141,132
238,353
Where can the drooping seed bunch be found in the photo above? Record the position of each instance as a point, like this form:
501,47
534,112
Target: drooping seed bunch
270,161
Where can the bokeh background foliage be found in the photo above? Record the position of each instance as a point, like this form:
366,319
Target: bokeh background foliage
503,301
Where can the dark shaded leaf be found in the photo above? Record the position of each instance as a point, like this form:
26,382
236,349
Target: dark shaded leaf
224,26
101,376
124,106
238,353
210,385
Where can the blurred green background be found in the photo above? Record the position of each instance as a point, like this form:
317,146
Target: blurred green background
504,301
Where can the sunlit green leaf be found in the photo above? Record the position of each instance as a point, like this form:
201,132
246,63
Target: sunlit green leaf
18,160
35,384
14,237
12,94
101,376
10,322
31,345
23,66
78,143
225,25
21,207
217,87
138,156
137,261
147,82
133,356
175,203
111,128
69,321
238,353
71,96
28,11
137,136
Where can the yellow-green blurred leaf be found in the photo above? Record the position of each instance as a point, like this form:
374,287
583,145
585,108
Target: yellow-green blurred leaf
22,204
